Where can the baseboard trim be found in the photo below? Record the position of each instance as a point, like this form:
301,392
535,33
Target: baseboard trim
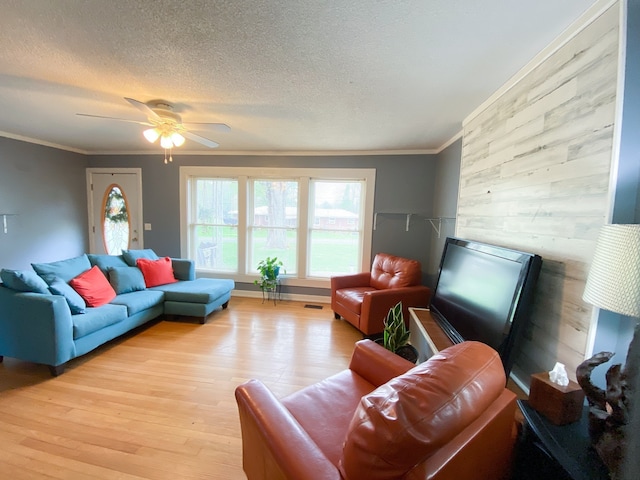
285,296
519,383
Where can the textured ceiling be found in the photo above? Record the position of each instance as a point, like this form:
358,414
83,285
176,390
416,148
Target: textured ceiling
285,75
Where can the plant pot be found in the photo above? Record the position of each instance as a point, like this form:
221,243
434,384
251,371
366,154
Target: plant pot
408,352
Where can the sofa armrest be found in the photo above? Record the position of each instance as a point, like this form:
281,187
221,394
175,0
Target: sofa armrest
420,293
349,281
274,445
35,327
483,450
376,364
376,305
183,269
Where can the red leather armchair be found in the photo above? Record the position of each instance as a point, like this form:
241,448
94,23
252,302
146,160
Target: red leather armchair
364,299
448,418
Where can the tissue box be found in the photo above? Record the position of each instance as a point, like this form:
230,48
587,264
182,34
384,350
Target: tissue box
561,405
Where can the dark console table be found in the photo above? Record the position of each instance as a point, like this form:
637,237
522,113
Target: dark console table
557,451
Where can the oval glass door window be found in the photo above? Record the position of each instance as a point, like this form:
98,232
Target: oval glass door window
115,221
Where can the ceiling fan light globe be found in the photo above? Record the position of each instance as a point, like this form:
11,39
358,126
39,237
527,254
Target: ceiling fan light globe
177,139
165,142
151,134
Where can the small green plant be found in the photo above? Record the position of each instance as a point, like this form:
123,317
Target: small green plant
269,269
395,333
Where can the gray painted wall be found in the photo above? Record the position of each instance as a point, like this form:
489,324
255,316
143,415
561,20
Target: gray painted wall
46,188
404,183
445,200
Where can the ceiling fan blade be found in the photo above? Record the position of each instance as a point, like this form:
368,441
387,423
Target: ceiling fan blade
114,118
218,127
199,139
143,107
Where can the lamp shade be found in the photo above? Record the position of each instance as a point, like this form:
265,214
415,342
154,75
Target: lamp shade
177,139
151,134
165,142
613,282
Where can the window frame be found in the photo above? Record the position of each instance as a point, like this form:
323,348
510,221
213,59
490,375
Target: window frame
304,177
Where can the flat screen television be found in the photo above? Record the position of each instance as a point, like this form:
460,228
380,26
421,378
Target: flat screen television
484,293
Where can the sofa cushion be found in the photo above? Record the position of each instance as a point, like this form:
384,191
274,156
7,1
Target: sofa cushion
95,319
138,301
201,290
183,269
105,262
156,272
132,256
74,300
64,269
404,421
347,386
126,279
94,287
23,281
352,298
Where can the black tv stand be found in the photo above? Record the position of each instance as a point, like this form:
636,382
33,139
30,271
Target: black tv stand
559,452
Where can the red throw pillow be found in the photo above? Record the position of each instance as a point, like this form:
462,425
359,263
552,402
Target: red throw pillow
156,272
93,287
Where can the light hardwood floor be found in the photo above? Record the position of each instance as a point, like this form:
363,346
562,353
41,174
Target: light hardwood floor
158,403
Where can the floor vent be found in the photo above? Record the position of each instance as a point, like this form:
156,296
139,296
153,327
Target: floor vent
317,307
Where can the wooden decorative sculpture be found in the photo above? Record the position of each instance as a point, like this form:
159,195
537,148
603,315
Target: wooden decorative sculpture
609,410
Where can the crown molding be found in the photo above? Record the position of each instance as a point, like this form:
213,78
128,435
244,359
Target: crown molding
448,143
43,143
275,153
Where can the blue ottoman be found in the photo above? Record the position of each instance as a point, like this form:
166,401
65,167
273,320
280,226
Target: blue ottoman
196,298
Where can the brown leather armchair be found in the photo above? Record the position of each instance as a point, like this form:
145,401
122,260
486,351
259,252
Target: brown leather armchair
364,299
448,418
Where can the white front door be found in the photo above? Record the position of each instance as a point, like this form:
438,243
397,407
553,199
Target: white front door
115,209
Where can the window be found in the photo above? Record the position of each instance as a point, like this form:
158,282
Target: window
115,221
213,229
273,227
335,237
318,222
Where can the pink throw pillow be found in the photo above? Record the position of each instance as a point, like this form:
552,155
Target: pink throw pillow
156,272
93,287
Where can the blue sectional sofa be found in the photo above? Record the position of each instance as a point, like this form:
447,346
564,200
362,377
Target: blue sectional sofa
43,320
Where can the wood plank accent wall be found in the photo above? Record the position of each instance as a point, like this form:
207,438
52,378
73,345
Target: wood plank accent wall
535,177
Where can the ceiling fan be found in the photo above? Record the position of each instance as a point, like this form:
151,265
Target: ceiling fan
166,125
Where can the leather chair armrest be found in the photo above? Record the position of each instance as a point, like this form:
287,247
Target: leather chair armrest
483,450
376,305
423,294
347,281
376,364
273,442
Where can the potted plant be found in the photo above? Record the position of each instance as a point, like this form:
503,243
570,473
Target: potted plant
396,336
269,269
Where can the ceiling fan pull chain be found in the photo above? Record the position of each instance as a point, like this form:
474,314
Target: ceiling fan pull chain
165,156
170,157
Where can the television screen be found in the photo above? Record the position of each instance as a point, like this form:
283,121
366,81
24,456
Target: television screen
484,293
